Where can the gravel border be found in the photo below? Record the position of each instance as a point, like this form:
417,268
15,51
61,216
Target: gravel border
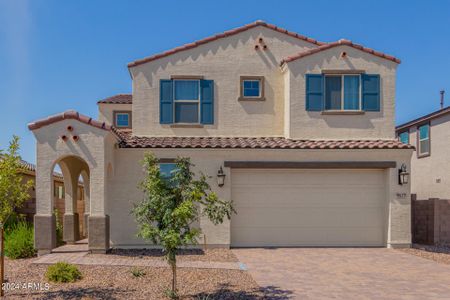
438,253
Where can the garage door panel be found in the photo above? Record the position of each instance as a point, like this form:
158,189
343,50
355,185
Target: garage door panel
325,236
275,196
312,217
308,207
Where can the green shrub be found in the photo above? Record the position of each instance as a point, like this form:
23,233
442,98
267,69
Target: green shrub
19,240
136,272
63,272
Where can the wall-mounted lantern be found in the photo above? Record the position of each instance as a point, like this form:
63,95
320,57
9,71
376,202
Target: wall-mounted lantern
403,175
220,177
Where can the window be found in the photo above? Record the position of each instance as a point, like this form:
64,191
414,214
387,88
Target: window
252,88
59,191
404,137
122,119
342,92
187,101
166,170
424,140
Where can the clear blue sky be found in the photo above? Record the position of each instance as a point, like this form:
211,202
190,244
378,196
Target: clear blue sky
57,55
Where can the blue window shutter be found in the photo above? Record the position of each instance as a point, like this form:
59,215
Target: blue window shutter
207,102
371,92
314,92
165,101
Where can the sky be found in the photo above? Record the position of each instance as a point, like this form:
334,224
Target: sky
59,55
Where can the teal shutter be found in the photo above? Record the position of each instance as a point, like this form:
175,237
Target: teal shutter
371,92
314,92
207,101
165,101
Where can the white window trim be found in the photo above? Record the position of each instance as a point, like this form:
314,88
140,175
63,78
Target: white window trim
426,139
186,101
342,92
243,89
117,123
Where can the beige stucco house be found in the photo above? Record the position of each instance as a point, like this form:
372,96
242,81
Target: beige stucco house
303,130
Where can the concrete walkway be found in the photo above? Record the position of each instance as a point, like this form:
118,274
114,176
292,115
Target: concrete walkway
346,273
78,254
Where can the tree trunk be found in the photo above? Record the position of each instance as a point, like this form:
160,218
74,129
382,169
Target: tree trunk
2,261
174,278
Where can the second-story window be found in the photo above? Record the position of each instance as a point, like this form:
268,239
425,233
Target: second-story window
423,140
122,119
404,137
187,101
251,88
342,92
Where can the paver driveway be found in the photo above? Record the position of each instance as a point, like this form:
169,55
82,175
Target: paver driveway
345,273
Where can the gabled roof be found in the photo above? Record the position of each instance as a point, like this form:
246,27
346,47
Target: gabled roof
130,141
341,42
117,99
69,114
223,35
425,118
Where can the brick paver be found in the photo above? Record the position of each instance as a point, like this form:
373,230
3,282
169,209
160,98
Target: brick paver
346,273
77,254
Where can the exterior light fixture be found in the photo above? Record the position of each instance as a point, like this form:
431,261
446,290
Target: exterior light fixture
220,177
403,175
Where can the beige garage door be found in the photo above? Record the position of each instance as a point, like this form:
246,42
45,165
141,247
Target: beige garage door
308,208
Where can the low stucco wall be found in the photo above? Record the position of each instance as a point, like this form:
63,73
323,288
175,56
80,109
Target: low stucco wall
122,186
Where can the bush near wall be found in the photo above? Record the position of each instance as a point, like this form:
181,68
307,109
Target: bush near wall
19,240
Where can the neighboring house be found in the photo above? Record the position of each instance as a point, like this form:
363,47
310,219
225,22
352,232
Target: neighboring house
430,134
303,130
28,210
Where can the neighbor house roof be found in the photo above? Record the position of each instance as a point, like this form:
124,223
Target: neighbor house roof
342,42
69,114
223,35
130,141
118,99
425,118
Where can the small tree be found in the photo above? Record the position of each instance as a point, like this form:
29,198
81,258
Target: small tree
172,204
13,191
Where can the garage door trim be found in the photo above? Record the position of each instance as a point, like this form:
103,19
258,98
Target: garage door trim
310,164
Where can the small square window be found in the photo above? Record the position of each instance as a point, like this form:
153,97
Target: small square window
166,169
122,119
404,137
423,140
252,88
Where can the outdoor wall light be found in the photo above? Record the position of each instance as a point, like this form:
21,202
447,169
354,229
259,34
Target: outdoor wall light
220,177
403,175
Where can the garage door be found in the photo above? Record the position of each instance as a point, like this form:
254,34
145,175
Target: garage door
308,207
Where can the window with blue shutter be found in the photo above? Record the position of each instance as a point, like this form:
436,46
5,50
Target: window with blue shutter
187,101
207,101
314,92
371,92
166,102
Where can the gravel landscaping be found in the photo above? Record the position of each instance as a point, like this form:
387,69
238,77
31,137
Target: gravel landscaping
111,282
440,254
218,255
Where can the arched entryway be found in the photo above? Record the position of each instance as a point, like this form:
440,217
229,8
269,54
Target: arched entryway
72,208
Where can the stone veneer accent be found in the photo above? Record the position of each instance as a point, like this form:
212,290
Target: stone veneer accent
44,233
98,234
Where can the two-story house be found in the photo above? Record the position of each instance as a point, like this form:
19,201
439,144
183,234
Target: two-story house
303,131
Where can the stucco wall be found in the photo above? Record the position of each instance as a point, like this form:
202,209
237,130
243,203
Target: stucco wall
106,111
223,61
315,125
430,176
123,187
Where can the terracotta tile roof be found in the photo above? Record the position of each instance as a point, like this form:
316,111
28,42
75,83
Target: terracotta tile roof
425,118
336,44
69,114
130,141
118,99
223,35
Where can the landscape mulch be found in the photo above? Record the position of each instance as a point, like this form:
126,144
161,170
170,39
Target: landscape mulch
438,253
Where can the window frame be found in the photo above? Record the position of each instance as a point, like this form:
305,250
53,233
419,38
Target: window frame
174,80
419,153
342,109
402,132
261,96
122,112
